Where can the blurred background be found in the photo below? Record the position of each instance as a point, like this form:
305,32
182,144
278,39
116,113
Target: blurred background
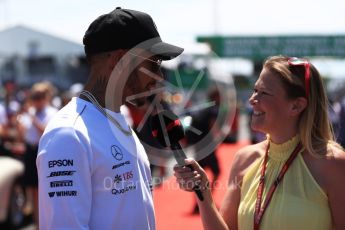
209,84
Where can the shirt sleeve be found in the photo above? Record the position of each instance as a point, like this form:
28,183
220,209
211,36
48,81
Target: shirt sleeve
64,174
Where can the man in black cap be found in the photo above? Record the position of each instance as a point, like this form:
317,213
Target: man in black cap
93,171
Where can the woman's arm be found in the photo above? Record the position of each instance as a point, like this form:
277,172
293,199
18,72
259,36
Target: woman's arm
187,180
335,172
211,217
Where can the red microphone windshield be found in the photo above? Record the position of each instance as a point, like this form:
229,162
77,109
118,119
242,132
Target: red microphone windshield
167,128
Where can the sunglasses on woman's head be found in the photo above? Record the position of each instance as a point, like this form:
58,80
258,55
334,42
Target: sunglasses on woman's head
294,61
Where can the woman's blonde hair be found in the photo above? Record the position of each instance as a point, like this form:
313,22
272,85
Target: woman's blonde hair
42,90
314,126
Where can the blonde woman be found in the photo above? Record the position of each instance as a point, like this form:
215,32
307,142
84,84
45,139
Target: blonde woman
295,178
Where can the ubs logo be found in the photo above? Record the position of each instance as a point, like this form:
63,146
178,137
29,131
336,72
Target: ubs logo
116,152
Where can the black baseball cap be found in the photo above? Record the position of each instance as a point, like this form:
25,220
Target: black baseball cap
126,29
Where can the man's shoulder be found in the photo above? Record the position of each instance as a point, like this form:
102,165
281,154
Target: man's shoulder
67,116
63,141
66,125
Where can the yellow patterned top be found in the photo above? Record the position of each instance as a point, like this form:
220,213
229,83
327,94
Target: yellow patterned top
298,203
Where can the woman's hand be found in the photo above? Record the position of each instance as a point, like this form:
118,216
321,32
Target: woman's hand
191,176
189,179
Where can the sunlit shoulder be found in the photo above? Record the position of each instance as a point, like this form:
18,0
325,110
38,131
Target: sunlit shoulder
336,159
245,157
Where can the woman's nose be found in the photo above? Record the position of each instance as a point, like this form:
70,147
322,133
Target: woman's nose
253,99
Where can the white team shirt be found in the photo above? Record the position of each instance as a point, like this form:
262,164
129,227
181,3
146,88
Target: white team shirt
92,176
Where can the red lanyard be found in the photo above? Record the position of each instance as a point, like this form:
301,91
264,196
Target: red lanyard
259,211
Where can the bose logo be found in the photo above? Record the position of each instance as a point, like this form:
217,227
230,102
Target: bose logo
60,163
61,173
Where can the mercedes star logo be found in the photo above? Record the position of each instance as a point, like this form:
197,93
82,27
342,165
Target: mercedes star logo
116,152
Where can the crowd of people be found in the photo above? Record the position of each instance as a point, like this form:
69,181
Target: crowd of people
337,118
24,114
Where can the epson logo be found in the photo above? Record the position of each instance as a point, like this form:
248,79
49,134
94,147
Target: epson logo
62,183
61,173
59,163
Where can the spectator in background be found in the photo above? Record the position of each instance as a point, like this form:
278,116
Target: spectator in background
334,113
205,122
3,122
73,91
341,131
142,126
38,113
9,89
13,132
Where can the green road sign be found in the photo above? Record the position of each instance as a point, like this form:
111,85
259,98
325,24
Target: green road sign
260,47
188,78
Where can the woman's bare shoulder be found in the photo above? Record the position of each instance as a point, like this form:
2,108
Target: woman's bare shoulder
336,160
246,156
337,151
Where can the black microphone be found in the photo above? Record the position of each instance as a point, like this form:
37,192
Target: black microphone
167,129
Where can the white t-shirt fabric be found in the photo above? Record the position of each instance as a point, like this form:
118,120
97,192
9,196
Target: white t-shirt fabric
91,175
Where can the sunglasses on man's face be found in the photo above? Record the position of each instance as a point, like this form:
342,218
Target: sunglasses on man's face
294,61
156,64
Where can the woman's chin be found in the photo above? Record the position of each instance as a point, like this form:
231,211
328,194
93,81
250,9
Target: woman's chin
257,128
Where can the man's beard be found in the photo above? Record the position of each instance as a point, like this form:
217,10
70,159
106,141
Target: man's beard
138,102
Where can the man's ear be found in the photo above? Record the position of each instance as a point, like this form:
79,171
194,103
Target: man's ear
298,105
